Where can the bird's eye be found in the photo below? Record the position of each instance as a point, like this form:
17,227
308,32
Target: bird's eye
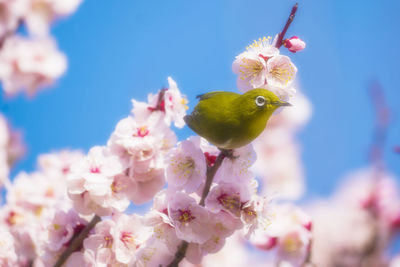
260,101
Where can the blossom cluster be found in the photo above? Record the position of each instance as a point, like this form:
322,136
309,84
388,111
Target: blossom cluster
33,62
213,206
262,66
140,157
368,205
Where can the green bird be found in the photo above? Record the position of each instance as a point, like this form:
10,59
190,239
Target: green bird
230,120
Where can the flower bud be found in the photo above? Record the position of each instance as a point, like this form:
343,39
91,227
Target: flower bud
294,44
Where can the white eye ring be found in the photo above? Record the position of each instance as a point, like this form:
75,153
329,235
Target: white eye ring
260,101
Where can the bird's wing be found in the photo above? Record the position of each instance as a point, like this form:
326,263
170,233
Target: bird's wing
211,94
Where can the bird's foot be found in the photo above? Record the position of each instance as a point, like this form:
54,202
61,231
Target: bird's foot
228,153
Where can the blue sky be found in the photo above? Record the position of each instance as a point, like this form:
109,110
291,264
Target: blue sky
119,50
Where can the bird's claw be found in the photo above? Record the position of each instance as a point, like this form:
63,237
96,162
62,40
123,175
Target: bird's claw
228,153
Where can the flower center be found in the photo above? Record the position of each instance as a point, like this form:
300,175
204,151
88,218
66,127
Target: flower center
185,216
142,131
117,187
95,170
108,241
184,166
283,74
249,214
127,238
291,244
231,203
250,68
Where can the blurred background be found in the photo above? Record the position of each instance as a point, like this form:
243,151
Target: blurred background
126,49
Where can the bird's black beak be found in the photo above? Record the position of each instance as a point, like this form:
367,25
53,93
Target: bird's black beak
281,104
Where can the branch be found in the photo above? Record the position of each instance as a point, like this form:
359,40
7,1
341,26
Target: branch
382,121
77,241
160,101
11,32
210,175
181,252
281,35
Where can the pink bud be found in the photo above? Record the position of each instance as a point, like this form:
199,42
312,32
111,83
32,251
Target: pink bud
294,44
308,226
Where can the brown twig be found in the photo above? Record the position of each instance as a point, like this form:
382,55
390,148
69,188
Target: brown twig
181,252
11,32
77,241
281,35
210,176
382,120
160,101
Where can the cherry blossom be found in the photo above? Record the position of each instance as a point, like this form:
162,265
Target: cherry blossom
261,66
189,219
228,197
288,233
90,184
186,167
236,167
12,12
30,64
42,13
251,65
116,240
280,71
170,107
8,257
141,144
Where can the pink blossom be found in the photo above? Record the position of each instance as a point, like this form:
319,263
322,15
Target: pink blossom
278,164
228,197
175,104
294,44
116,239
90,185
99,245
186,167
395,262
357,232
288,233
128,234
172,106
222,225
153,253
38,200
141,144
251,70
63,228
59,163
233,254
148,184
8,257
189,219
257,214
43,12
12,12
280,71
293,246
236,168
29,65
251,65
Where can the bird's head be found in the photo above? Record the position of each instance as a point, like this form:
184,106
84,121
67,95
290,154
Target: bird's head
260,101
